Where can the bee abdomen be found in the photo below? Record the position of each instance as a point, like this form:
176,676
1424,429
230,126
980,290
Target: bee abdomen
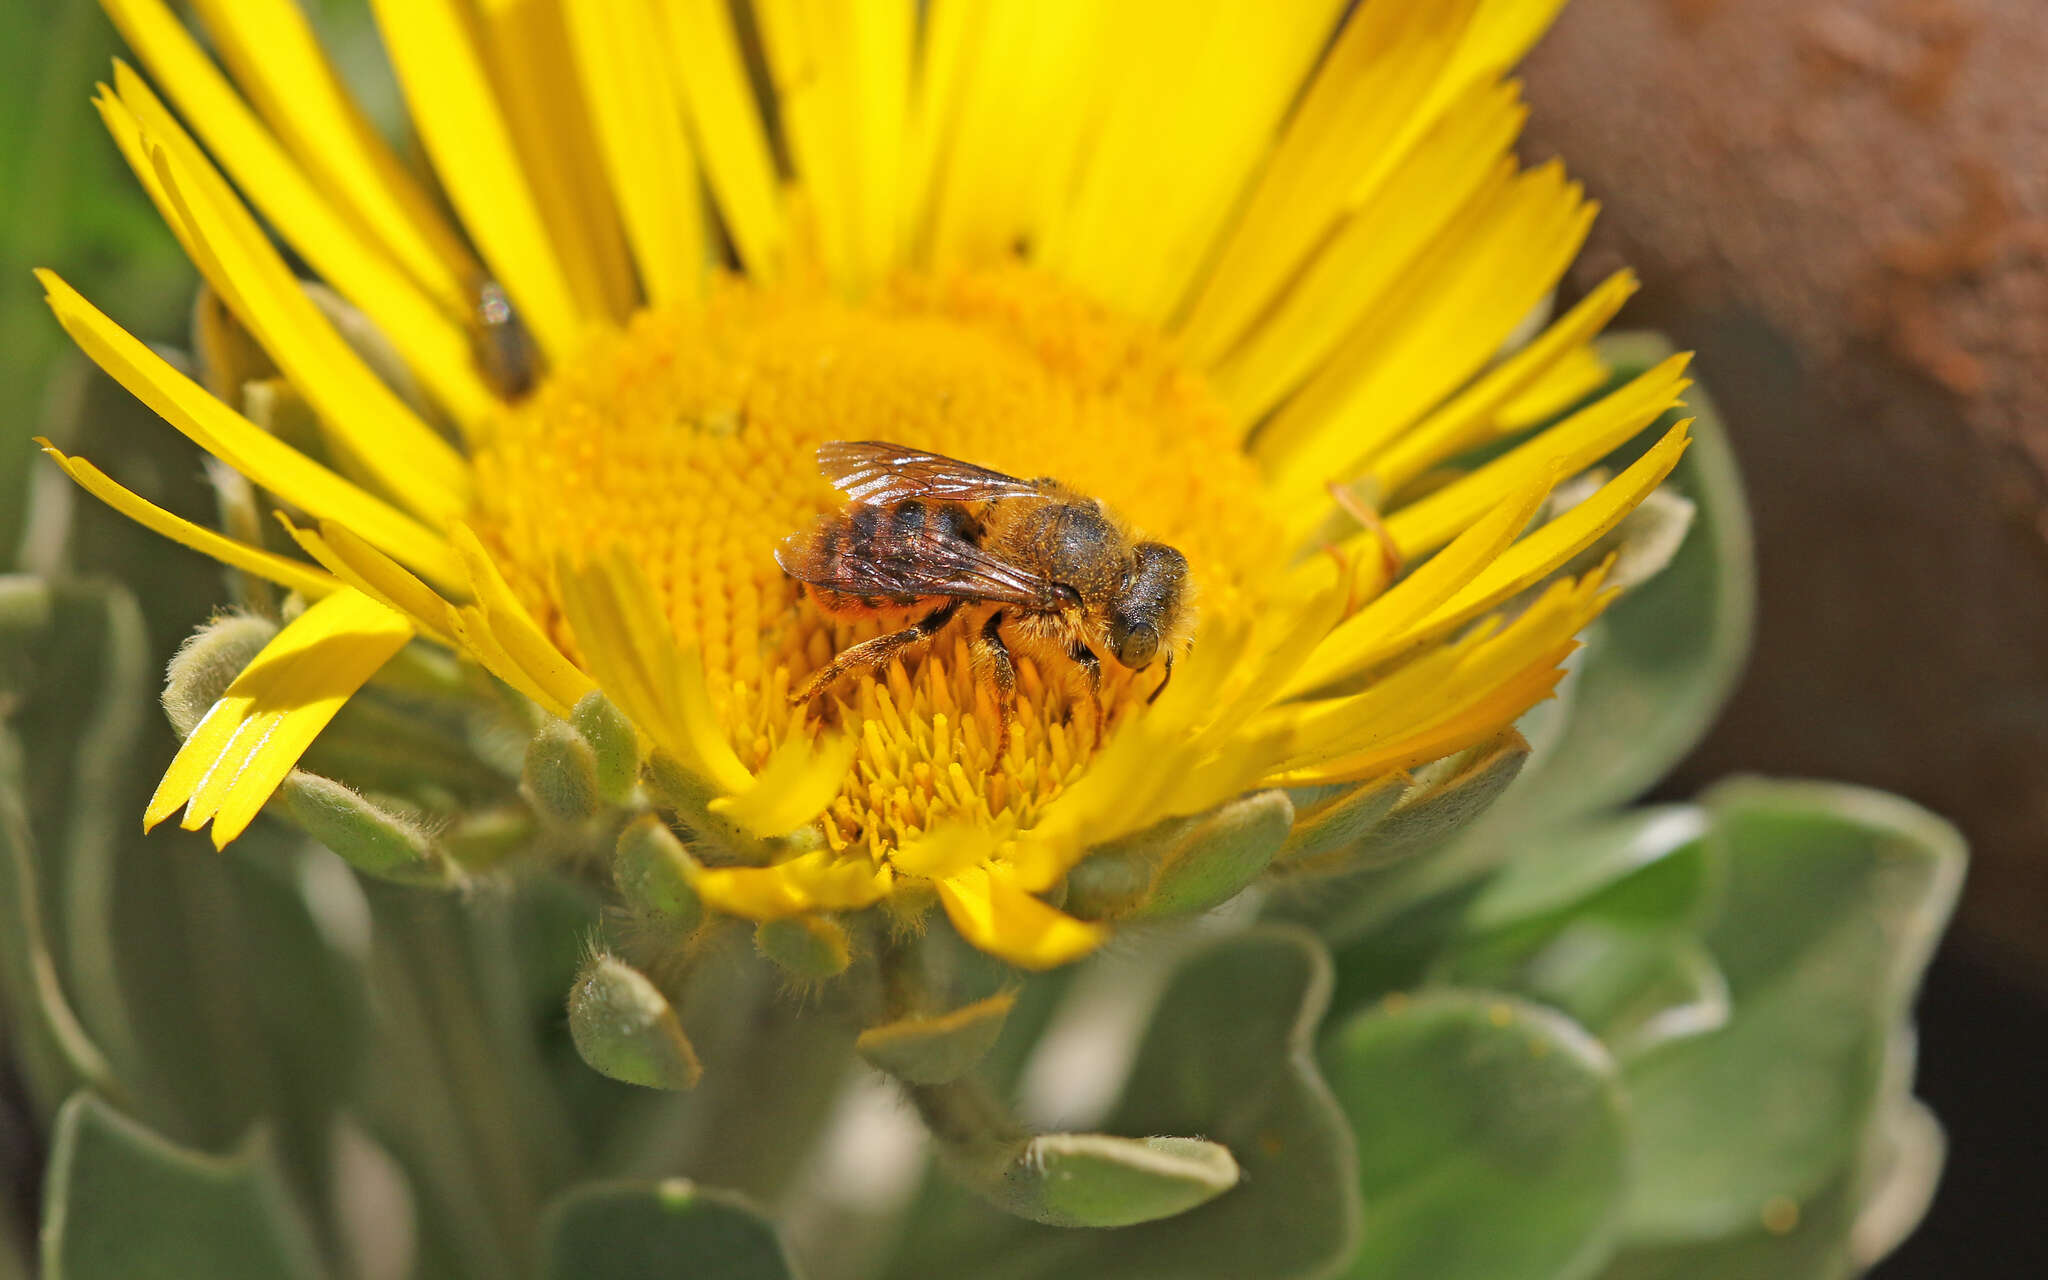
870,541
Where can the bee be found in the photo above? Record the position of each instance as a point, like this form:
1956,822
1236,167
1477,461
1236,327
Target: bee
1029,563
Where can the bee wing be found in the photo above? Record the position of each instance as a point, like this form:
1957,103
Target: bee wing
880,473
924,563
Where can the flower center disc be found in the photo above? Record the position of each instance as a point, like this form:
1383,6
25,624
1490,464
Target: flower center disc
688,440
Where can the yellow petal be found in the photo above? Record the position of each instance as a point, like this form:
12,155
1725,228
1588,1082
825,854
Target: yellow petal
948,39
796,784
526,47
375,574
254,735
1576,375
356,408
1474,724
1549,548
633,97
412,289
1569,447
842,89
727,129
1189,117
1374,633
813,882
240,443
633,653
1438,683
1459,173
456,112
1449,317
945,850
1372,83
516,630
1471,416
293,575
1027,79
282,66
1010,924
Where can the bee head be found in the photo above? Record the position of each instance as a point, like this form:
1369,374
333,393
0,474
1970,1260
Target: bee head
1147,612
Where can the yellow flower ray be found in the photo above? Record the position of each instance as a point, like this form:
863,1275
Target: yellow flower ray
246,744
729,138
241,444
1033,74
1557,542
290,574
354,405
279,64
304,144
1006,921
805,884
1358,642
525,49
1465,166
1575,376
796,784
455,110
421,319
1183,126
646,151
1476,723
1431,688
359,565
1570,447
1374,79
940,81
637,662
516,629
1472,416
1431,334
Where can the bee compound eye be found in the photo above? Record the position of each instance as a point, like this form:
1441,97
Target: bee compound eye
1137,646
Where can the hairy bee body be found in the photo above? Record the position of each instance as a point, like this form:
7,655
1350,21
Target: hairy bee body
1032,562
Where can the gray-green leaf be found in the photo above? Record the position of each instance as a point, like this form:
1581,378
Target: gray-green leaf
124,1204
1492,1139
1834,899
1663,659
641,1231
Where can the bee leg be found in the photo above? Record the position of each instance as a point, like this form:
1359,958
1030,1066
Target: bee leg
1091,676
876,653
991,659
1163,682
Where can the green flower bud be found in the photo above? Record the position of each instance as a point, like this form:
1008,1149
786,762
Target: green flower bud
1096,1180
1111,882
807,947
649,867
613,743
1223,851
481,837
625,1028
1442,801
935,1049
367,836
208,662
1329,827
560,776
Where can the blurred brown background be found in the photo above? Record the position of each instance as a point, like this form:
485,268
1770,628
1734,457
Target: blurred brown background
1843,205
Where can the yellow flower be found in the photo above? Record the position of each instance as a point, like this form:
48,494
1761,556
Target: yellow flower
1247,273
